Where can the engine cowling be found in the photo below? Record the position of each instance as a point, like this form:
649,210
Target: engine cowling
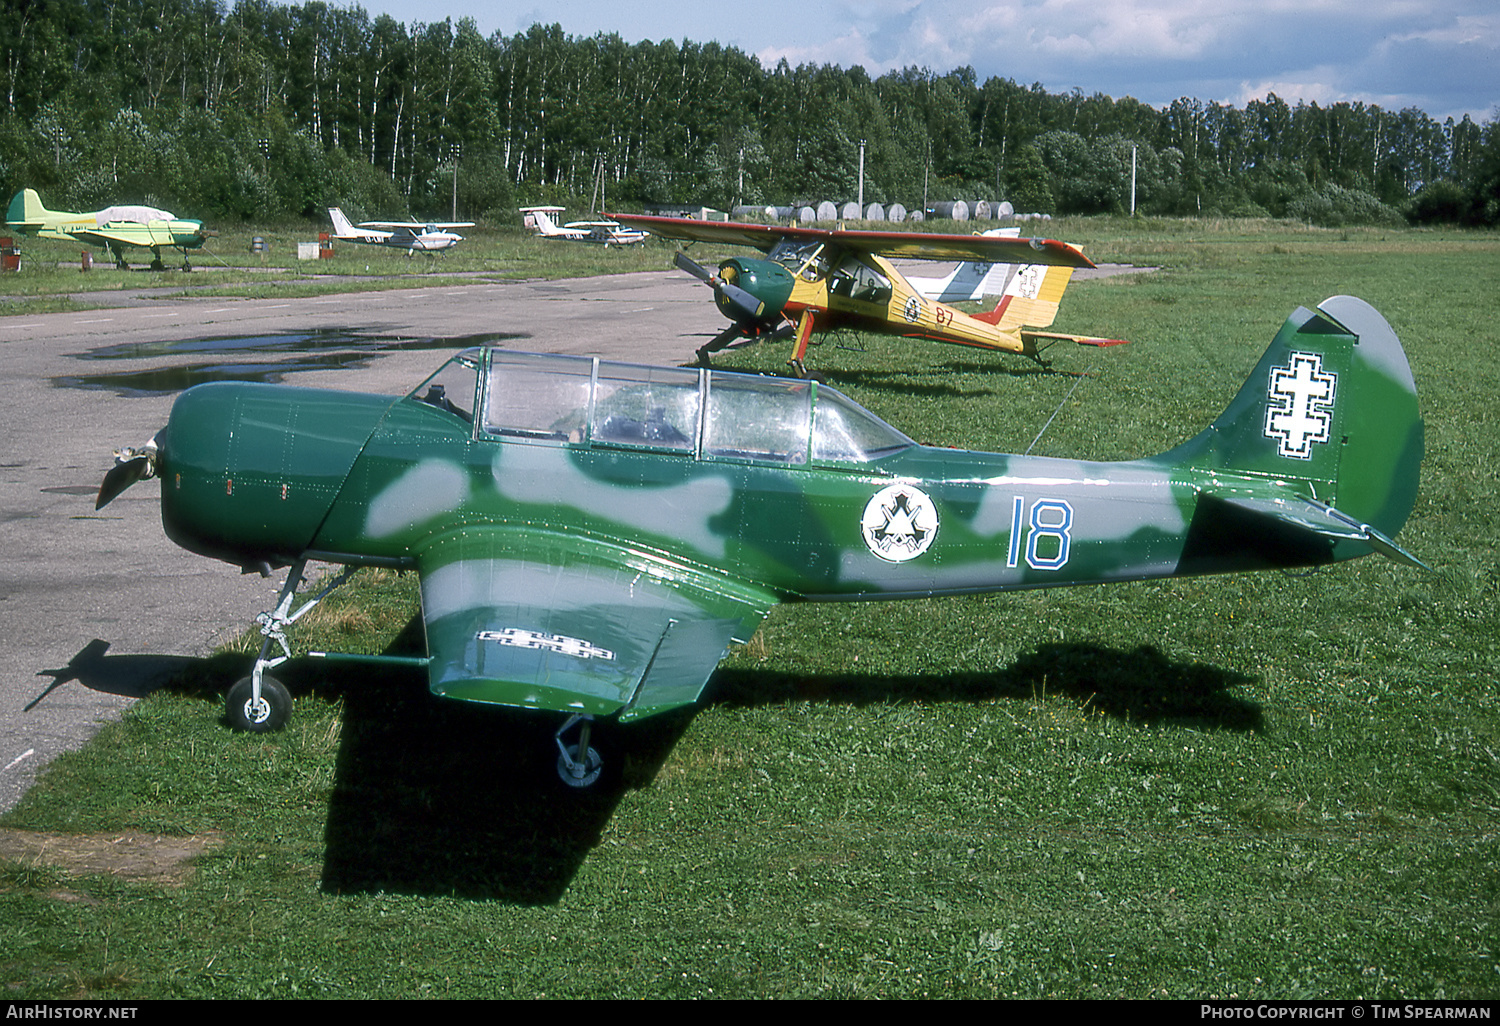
249,471
766,280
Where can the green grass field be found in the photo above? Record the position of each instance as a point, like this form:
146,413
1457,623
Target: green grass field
1263,786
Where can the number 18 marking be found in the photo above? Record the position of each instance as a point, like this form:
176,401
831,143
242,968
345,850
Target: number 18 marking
1050,519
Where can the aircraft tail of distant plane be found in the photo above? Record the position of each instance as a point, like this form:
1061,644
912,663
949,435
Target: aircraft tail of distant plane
1330,411
539,220
341,225
1030,301
26,211
1031,297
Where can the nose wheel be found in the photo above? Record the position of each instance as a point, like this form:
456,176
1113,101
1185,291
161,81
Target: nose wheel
260,702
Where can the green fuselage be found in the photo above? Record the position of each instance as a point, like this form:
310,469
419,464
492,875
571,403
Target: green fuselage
591,535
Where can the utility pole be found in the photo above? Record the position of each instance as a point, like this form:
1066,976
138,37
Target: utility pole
1132,181
861,178
454,151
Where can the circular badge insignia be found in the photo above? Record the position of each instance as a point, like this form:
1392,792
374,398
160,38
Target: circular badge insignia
899,523
913,309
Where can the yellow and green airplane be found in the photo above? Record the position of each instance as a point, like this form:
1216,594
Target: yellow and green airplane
591,536
112,228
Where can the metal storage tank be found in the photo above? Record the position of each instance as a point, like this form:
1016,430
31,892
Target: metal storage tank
957,210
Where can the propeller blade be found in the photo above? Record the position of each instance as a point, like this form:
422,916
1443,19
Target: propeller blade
686,263
131,465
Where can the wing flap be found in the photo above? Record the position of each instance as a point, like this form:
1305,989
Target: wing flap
535,619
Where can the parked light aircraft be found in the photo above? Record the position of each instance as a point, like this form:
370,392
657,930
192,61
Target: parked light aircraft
591,536
412,236
112,228
606,233
815,280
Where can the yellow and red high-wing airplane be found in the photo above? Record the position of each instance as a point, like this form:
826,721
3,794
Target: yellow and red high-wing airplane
815,279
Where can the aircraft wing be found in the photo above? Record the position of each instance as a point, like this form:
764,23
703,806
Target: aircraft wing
417,225
532,618
897,245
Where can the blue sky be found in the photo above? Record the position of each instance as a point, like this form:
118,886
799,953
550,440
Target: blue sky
1441,56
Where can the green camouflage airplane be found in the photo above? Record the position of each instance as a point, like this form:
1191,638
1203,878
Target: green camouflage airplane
591,536
112,228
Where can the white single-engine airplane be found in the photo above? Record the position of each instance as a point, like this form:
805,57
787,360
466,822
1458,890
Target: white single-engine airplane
412,236
606,233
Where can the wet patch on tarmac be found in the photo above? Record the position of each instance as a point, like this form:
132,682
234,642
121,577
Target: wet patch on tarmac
330,349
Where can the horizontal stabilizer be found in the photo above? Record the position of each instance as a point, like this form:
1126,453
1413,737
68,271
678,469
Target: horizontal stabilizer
1326,522
1083,340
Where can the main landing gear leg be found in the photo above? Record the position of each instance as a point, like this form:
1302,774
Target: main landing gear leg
261,703
804,336
578,765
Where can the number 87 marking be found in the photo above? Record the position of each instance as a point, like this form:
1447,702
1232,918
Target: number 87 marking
1050,519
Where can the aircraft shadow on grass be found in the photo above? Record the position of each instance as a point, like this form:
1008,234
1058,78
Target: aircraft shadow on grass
432,797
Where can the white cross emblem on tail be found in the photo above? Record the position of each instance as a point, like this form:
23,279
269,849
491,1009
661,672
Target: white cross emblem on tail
1301,408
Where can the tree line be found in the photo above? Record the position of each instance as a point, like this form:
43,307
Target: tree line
265,110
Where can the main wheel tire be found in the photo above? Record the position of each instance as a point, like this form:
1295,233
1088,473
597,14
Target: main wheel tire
270,713
593,768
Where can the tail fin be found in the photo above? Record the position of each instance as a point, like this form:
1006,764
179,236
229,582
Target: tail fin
341,225
539,220
1031,297
1324,437
26,212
